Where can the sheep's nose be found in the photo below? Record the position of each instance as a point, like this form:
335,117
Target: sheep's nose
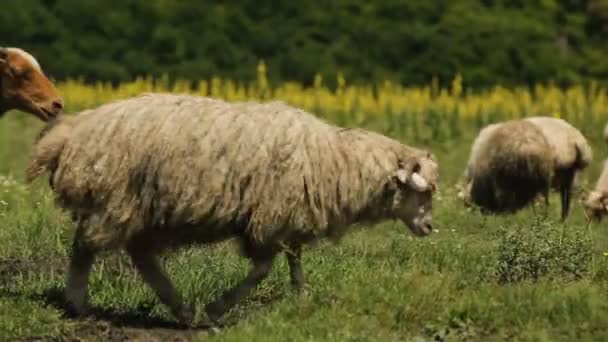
58,105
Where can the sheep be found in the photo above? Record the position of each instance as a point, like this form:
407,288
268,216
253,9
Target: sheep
160,171
571,155
596,203
509,165
514,161
23,86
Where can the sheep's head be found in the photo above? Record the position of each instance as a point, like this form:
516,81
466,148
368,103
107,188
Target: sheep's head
596,206
464,193
23,86
412,202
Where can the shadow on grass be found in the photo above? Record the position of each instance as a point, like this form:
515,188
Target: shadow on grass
116,325
139,318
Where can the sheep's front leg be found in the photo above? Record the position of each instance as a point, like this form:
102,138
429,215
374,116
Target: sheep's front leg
77,280
294,259
259,271
545,204
152,273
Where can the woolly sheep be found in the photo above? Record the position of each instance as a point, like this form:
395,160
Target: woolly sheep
596,203
571,155
24,86
513,162
160,171
509,165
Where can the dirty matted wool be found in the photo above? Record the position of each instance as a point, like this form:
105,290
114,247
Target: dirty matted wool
196,168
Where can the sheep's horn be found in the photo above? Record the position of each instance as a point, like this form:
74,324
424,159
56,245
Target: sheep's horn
418,182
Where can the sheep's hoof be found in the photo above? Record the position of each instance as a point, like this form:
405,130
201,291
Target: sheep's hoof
212,326
214,330
185,313
302,289
215,310
214,313
77,311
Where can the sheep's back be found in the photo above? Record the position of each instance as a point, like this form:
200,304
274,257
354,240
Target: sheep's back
568,143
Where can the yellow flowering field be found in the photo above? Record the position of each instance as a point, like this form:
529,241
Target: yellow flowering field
364,102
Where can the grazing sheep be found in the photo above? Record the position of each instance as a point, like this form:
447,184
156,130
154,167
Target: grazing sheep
23,86
596,203
509,165
513,162
160,171
571,155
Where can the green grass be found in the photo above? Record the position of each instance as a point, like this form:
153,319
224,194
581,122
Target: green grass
476,278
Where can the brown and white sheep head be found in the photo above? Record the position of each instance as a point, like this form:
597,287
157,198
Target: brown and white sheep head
596,206
413,199
23,86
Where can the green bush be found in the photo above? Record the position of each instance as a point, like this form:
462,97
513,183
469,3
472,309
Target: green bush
542,249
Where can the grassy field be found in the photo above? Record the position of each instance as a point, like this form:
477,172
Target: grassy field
475,278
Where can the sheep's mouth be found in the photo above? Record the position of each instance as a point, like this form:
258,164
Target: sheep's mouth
422,229
45,114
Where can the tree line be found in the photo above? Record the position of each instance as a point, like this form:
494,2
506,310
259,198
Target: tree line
488,42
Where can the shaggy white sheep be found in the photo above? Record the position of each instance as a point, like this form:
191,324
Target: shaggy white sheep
513,162
160,171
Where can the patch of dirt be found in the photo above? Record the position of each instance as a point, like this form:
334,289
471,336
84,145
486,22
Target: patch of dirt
102,324
106,331
108,325
94,330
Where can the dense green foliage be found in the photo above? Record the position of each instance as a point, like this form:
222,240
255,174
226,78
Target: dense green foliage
487,41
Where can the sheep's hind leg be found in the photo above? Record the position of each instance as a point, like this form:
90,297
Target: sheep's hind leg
567,180
260,270
294,259
77,279
152,273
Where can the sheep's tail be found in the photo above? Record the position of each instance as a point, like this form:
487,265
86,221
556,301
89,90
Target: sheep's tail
583,158
584,155
48,146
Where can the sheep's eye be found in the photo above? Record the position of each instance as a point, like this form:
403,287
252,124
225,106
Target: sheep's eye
26,75
16,72
12,70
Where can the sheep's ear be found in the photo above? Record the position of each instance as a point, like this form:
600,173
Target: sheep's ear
402,173
3,58
604,202
418,183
